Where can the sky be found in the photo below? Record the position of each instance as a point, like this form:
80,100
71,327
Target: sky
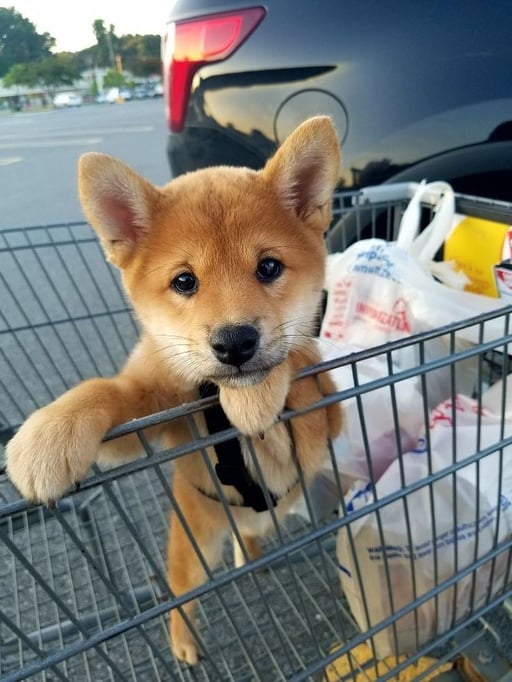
70,22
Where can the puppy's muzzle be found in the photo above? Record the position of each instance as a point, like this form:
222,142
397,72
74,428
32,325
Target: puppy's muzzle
235,344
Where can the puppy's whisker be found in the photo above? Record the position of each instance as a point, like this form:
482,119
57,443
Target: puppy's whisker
177,341
296,322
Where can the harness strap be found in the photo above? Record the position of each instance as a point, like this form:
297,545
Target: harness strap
231,468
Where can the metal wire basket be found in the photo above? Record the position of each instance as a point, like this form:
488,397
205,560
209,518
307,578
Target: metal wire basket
83,592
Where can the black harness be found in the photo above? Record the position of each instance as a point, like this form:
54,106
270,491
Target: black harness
231,468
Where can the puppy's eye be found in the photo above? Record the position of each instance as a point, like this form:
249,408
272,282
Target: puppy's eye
185,283
269,269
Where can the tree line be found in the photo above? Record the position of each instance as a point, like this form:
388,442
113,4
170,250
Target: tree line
26,56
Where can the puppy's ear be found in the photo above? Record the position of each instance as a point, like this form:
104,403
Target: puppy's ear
305,170
118,203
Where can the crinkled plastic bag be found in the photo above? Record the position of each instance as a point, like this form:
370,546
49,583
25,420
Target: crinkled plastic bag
368,441
421,540
377,292
372,435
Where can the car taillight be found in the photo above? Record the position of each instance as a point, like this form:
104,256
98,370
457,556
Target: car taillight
189,45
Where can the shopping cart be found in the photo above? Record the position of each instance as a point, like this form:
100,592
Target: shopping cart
83,593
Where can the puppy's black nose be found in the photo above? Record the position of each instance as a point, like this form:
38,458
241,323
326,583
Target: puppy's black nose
235,344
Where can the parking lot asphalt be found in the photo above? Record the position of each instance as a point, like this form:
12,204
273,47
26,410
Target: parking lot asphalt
39,152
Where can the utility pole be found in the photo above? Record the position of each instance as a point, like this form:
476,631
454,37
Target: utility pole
109,45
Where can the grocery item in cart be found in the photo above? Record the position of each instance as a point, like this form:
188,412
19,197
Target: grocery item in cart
405,552
503,278
476,246
371,432
377,292
470,246
366,446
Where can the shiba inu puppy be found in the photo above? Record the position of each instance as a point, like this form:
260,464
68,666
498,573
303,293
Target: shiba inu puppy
224,268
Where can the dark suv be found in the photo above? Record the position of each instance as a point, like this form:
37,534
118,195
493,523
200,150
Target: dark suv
416,89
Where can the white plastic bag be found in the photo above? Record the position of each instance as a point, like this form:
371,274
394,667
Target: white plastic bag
380,291
368,442
424,246
404,555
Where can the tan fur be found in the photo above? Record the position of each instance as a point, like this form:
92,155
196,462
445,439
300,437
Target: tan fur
217,223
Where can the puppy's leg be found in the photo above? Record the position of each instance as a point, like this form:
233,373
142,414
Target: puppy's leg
311,430
58,444
252,547
207,523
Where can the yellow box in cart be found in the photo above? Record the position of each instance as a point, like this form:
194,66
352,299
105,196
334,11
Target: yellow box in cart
476,246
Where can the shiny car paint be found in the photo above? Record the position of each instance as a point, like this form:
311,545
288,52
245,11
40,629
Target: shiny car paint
416,89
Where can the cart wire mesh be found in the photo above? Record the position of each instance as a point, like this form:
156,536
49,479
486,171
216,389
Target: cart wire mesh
83,586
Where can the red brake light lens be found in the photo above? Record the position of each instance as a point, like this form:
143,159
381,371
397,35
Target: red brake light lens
189,45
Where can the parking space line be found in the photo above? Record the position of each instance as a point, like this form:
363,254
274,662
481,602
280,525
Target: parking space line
9,160
32,144
91,131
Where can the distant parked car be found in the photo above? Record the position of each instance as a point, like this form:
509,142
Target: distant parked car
114,95
67,99
126,94
141,92
416,89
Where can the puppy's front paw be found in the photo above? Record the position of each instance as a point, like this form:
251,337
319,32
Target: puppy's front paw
247,411
186,652
254,409
184,643
52,451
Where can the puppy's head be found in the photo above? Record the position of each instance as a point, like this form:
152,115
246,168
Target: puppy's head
224,266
